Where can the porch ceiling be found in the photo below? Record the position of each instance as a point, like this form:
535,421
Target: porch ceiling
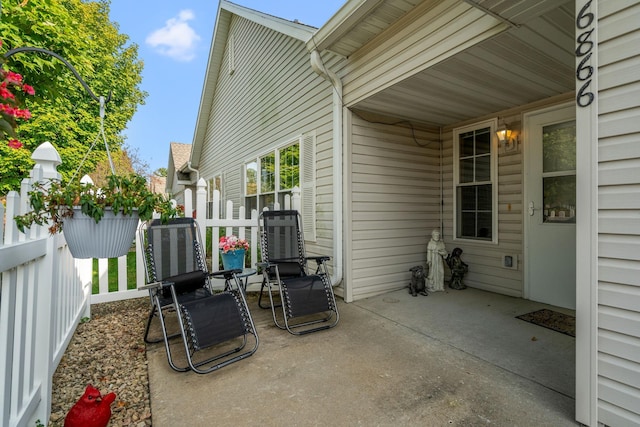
531,61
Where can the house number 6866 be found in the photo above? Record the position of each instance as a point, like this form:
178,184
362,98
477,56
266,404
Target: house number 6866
584,70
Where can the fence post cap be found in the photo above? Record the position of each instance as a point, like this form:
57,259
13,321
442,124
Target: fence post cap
48,158
46,152
86,180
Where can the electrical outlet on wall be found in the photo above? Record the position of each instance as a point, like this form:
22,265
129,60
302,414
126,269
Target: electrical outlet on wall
510,261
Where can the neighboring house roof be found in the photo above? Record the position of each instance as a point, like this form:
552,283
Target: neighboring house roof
226,10
158,184
179,154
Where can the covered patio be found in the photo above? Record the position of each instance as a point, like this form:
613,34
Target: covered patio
454,358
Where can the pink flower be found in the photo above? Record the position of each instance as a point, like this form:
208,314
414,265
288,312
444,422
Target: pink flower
23,114
13,78
29,90
10,81
8,109
5,93
15,144
232,243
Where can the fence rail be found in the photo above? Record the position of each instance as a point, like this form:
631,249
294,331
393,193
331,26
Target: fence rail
45,292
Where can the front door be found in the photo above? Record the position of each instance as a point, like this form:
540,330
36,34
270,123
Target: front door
550,206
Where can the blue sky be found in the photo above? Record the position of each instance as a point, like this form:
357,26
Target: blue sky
174,39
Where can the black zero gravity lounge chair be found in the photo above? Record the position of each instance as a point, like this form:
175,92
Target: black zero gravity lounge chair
218,324
307,299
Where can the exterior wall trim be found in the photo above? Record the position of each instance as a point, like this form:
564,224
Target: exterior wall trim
587,241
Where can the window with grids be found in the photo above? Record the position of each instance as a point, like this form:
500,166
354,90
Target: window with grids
271,177
474,184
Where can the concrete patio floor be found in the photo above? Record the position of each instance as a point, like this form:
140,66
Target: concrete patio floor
453,358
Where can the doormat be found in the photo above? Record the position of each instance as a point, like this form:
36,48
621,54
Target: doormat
559,322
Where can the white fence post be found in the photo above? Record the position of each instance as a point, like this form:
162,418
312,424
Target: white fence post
296,199
215,231
201,204
188,202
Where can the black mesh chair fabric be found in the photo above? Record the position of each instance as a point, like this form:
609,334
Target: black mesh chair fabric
213,320
174,248
186,283
306,295
178,281
289,269
306,298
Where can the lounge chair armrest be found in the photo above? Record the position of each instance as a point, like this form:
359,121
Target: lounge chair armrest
320,259
152,285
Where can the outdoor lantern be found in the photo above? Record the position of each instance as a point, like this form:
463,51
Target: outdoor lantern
506,138
504,134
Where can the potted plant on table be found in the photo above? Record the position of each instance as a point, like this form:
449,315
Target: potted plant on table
99,222
232,250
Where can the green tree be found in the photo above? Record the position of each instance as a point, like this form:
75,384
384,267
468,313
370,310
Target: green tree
62,111
126,161
160,172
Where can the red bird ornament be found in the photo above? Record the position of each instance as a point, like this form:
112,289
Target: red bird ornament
92,410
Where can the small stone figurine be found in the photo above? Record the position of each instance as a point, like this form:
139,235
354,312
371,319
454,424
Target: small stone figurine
458,269
436,253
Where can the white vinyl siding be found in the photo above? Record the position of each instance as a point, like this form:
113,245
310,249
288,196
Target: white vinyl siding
485,260
272,96
395,204
387,201
618,99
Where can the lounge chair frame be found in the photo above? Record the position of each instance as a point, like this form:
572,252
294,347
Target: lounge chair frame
218,322
306,299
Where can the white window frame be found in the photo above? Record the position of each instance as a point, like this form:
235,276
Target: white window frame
275,151
492,125
307,173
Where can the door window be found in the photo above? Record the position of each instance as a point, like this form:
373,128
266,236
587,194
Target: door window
559,172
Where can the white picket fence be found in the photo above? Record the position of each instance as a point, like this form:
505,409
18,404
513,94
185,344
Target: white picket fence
45,292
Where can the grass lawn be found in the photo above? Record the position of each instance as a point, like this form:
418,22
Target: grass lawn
113,273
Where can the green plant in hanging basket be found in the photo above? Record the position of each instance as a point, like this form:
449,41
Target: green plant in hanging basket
52,202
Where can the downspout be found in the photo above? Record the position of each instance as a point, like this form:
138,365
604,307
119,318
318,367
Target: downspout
193,196
190,169
442,188
338,249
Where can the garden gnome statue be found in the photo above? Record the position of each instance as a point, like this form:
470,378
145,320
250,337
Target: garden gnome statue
458,269
436,254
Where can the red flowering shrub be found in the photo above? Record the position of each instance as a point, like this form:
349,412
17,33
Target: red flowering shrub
10,111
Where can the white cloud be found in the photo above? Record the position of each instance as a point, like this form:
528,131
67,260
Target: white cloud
176,39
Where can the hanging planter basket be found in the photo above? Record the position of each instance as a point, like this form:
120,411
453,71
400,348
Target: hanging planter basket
112,235
110,238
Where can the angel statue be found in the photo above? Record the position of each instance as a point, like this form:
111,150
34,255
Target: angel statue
436,254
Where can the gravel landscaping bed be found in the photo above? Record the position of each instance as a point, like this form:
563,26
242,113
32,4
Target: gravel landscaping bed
108,352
